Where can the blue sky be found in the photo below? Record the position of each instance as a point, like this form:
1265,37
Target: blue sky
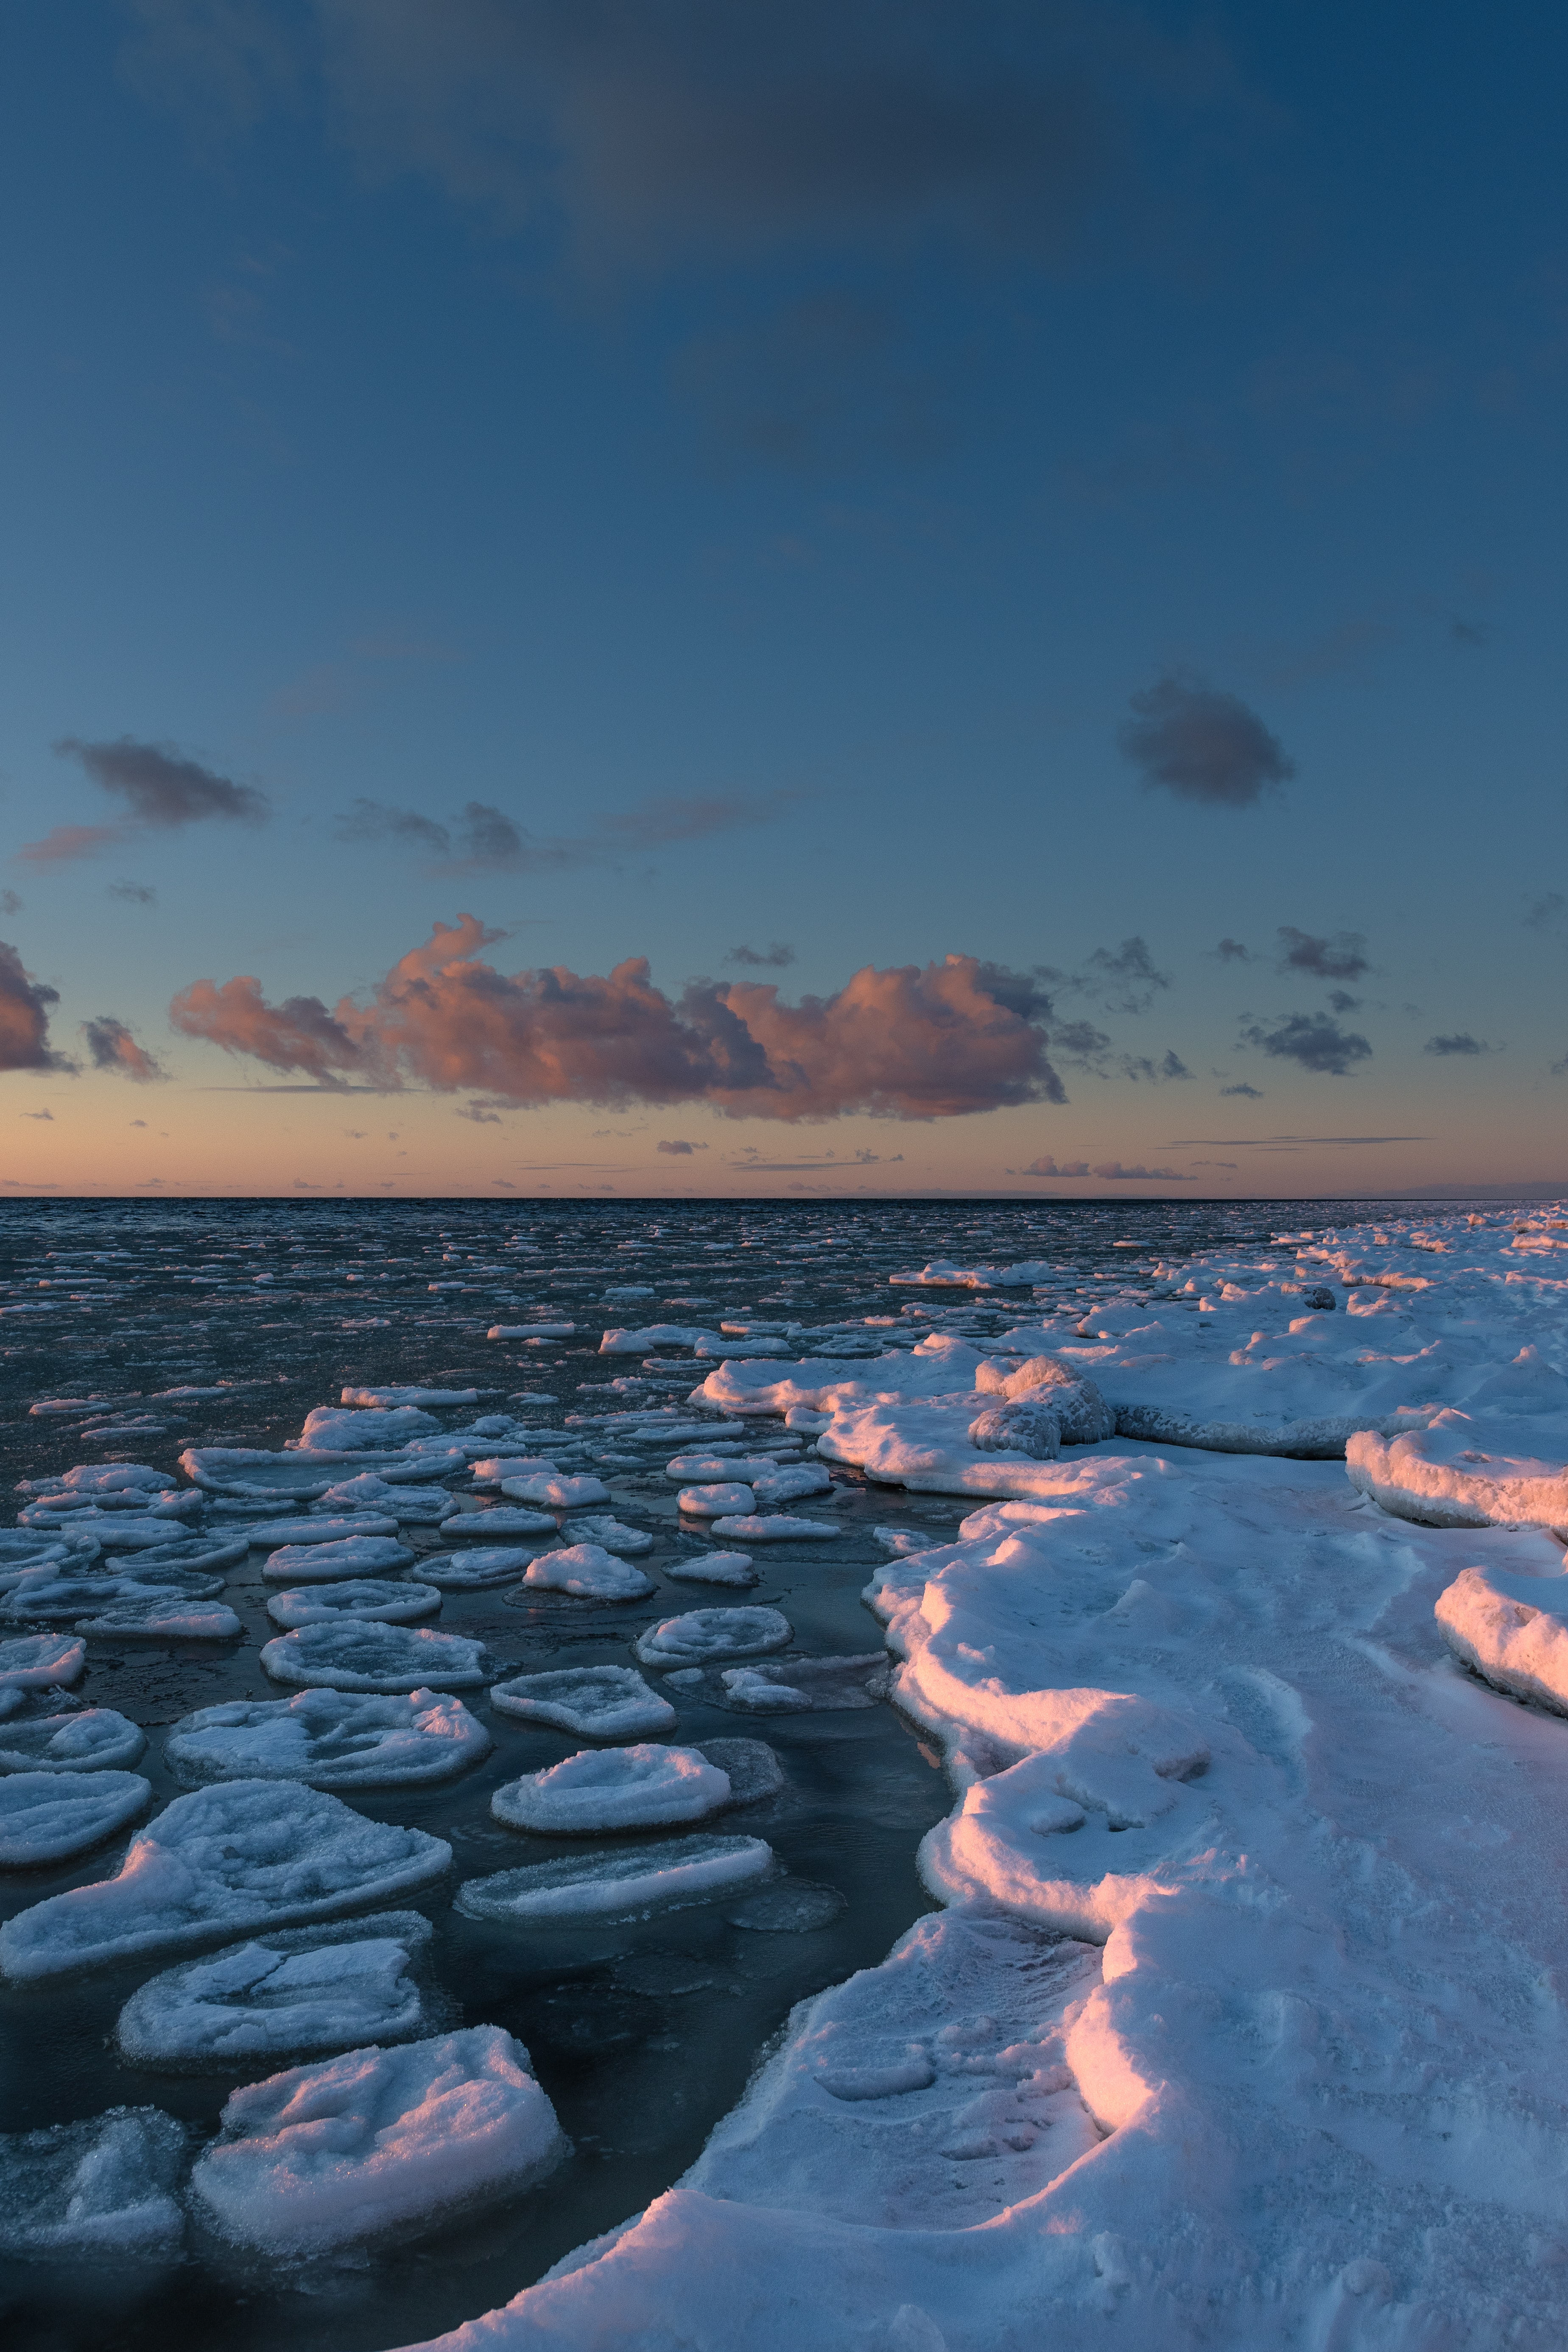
755,457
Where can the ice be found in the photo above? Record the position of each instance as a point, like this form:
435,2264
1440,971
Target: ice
490,1469
656,1335
330,1430
133,1480
410,1396
383,1603
751,1766
562,1494
612,1533
663,1873
798,1685
50,1816
107,2186
255,1475
415,1505
35,1661
587,1570
377,2140
901,1541
1466,1471
730,1500
289,1994
499,1519
154,1613
789,1485
355,1656
746,1528
732,1568
794,1907
334,1740
330,1528
223,1862
1026,1428
594,1702
93,1740
327,1564
706,1634
1513,1629
25,1548
707,1466
58,1596
531,1331
473,1571
602,1790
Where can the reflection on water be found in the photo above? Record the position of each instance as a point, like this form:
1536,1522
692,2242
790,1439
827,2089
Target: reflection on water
642,2032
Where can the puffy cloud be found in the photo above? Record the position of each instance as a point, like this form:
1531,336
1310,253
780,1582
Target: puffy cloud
1460,1042
24,1018
1194,739
1047,1166
298,1034
961,1036
1312,1040
1343,957
112,1047
161,785
778,956
679,1148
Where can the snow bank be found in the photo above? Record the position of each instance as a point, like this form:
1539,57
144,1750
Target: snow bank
1467,1471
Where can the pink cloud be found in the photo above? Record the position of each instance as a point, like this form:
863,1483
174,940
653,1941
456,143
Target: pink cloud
69,841
954,1037
24,1018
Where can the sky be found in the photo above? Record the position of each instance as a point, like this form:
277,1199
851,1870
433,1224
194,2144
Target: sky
692,596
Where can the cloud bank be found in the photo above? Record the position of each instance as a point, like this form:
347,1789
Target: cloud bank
957,1037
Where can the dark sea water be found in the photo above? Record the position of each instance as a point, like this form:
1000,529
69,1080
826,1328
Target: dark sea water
644,2034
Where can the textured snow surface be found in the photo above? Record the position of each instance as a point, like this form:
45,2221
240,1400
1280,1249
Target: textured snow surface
37,1661
50,1816
224,1862
500,1520
595,1702
93,1739
559,1492
662,1874
1512,1629
1468,1471
474,1570
109,2186
377,2140
614,1533
352,1655
292,1993
601,1789
334,1740
713,1634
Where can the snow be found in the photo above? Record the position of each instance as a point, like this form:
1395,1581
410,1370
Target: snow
352,1655
733,1568
729,1500
1513,1629
472,1571
602,1790
288,1994
499,1519
334,1740
613,1534
395,1499
35,1661
377,2140
790,1485
327,1564
50,1816
332,1527
701,1467
106,2187
222,1863
133,1480
561,1493
588,1571
657,1334
594,1702
661,1874
382,1602
705,1634
330,1429
93,1740
775,1527
800,1686
1467,1471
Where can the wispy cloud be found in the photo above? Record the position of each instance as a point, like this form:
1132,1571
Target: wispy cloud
112,1047
1343,957
1311,1040
1458,1042
485,839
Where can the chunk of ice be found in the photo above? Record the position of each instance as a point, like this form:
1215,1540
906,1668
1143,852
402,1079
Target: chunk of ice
377,2140
325,1563
708,1633
355,1656
731,1568
602,1790
107,2186
1513,1629
242,1856
380,1602
595,1702
728,1499
37,1661
475,1570
93,1740
802,1686
49,1817
562,1494
667,1874
588,1571
500,1519
614,1533
334,1740
781,1530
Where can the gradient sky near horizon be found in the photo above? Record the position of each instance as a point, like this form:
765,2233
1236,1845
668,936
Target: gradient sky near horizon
500,492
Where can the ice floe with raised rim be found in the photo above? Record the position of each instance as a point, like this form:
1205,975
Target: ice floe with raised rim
332,1528
614,1533
107,2186
603,1790
328,1563
289,1994
377,2140
772,1527
791,1485
411,1505
593,1702
38,1661
707,1468
701,1636
394,1396
476,1570
240,1855
335,1429
52,1816
357,1656
664,1873
1465,1471
91,1740
498,1519
330,1738
380,1601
